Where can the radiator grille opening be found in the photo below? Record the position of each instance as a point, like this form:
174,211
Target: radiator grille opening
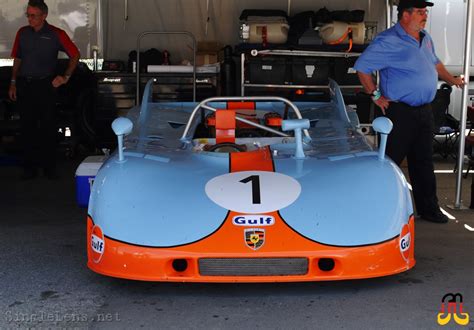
253,266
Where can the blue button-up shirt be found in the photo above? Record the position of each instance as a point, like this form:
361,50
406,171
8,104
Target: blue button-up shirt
407,67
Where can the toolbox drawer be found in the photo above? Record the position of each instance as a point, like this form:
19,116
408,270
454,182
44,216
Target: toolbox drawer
310,71
264,70
344,73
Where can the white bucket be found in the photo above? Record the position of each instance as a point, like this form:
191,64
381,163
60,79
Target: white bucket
332,32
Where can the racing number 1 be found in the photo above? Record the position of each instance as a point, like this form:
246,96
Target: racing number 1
255,187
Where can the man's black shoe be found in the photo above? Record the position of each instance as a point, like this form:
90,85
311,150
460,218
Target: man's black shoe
437,217
29,174
51,174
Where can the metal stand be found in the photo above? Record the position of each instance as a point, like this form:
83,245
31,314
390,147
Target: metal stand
465,93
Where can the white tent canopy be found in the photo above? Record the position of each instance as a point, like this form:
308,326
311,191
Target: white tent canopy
208,20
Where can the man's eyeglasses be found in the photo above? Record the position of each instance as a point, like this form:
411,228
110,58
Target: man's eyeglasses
34,16
421,12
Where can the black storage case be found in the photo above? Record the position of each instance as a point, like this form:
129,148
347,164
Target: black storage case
267,70
310,71
344,73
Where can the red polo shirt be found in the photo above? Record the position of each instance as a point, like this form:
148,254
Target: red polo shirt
38,50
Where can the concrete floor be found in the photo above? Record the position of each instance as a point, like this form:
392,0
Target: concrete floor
44,281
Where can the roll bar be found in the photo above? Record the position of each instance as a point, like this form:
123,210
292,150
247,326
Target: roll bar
203,104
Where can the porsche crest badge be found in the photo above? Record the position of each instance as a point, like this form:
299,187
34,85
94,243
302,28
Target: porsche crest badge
254,238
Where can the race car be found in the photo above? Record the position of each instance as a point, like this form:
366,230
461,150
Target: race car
248,189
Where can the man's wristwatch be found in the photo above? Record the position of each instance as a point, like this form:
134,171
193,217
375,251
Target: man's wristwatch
376,94
67,76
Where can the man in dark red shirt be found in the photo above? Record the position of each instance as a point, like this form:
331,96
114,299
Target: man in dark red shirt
33,85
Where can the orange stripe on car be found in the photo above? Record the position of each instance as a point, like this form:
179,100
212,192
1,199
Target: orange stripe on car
258,160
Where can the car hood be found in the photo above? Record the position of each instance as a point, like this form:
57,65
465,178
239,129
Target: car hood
348,201
161,201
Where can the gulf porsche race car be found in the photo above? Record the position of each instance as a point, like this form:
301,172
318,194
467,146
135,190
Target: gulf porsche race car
248,189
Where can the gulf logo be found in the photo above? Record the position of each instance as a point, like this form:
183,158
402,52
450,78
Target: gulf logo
252,220
97,244
405,242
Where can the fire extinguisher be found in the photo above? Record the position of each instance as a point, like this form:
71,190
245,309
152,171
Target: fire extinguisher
228,73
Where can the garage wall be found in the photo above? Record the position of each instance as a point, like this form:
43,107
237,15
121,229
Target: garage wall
191,15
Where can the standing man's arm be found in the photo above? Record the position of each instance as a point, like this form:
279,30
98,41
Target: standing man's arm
369,85
375,58
72,51
449,78
62,79
12,89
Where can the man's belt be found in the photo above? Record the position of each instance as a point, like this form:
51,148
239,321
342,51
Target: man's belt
34,78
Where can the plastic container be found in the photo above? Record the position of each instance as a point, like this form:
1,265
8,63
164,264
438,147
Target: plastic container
273,32
85,176
332,32
358,32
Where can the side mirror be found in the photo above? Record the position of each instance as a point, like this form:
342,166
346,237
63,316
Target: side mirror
121,127
297,125
384,126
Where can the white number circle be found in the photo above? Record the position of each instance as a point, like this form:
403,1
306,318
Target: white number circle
253,191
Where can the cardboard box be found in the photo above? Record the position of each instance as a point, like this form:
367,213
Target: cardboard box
209,46
203,59
208,52
85,176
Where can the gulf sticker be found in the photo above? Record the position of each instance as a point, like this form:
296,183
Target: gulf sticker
97,244
405,242
253,192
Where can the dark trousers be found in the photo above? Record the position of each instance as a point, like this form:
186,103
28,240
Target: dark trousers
37,108
412,137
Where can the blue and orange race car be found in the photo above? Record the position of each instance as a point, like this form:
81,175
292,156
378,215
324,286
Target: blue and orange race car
248,189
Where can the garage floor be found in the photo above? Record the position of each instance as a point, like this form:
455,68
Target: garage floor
44,281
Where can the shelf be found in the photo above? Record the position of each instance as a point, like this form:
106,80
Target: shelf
298,86
284,52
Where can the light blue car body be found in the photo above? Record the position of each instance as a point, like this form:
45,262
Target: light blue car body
155,196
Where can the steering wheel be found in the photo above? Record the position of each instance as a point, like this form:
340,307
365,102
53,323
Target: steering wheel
227,147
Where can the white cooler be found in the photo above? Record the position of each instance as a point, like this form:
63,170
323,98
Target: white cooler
85,175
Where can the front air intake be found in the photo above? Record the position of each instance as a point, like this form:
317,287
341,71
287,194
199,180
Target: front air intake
253,266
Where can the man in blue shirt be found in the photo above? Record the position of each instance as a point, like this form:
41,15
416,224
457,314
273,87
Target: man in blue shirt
409,70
